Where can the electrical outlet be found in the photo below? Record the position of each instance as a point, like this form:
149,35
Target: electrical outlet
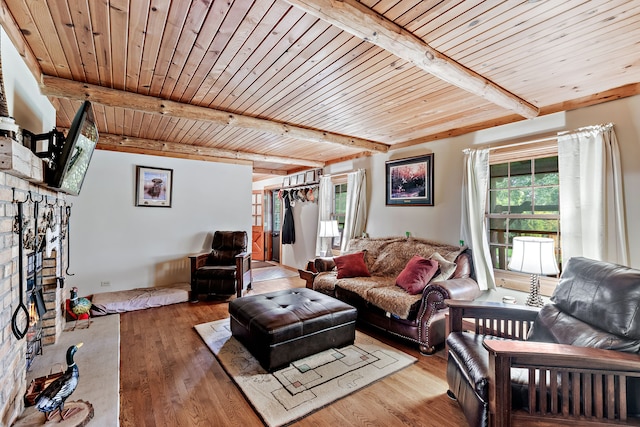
103,284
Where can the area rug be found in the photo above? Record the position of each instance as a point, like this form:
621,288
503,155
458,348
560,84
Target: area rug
272,273
261,264
308,384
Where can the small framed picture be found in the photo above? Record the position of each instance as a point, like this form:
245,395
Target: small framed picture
154,187
310,176
300,179
293,180
285,181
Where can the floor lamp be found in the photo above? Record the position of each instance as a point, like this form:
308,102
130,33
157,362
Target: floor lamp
534,255
328,230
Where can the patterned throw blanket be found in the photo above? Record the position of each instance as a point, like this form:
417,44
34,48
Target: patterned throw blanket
385,259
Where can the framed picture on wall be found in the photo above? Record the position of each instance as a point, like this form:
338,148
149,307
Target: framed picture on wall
154,187
285,181
410,181
310,176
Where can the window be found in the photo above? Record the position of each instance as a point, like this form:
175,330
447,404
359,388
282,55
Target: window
523,201
339,210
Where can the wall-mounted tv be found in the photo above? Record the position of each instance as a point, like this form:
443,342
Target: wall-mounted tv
69,164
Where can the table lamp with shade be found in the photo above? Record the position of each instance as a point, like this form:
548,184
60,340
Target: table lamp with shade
533,255
328,230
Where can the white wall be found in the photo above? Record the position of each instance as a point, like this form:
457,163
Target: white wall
112,240
30,109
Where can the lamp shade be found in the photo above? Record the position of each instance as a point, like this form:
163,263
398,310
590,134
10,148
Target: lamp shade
329,229
534,255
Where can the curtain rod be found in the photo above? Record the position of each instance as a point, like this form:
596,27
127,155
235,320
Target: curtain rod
532,141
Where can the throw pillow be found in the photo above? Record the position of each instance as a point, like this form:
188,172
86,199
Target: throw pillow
416,274
351,265
447,268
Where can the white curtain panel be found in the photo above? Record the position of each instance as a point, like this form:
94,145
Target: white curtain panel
324,211
356,215
473,228
591,195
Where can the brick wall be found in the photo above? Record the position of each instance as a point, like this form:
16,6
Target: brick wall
12,351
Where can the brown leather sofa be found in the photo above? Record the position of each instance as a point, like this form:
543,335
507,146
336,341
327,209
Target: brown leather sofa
583,350
425,323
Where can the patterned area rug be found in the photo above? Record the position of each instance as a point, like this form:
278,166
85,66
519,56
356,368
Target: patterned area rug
307,384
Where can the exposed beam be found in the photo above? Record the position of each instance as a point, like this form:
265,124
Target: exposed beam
125,143
63,88
269,172
357,19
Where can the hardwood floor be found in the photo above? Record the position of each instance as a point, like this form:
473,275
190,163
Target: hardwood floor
169,377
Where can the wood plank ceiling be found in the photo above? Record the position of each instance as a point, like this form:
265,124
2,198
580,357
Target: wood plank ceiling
289,85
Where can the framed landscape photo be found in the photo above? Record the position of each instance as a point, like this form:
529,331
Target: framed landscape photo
154,187
410,181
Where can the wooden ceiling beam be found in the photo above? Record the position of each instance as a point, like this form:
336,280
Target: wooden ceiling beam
63,88
146,146
274,172
357,19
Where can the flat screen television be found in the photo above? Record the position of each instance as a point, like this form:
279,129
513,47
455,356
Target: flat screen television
69,164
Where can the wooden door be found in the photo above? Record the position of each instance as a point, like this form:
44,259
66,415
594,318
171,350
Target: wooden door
257,229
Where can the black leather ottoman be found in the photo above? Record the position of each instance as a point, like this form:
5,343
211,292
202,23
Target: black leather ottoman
283,326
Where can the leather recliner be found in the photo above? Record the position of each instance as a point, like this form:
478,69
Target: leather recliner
583,350
224,271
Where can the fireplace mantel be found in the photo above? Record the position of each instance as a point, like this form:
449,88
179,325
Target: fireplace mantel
18,160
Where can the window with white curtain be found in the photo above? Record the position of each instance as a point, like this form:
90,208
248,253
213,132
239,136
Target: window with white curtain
523,200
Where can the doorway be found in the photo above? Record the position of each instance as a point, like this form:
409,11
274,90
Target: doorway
257,227
275,224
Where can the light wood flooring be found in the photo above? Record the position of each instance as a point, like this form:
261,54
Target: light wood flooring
169,377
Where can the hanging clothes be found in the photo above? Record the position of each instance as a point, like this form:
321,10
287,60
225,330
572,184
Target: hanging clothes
288,229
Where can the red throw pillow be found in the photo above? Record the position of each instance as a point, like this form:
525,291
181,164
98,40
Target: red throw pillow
416,274
351,265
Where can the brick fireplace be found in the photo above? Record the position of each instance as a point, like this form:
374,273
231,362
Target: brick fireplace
13,351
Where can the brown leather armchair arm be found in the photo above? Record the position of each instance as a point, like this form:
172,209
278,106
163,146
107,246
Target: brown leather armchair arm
243,272
197,261
579,383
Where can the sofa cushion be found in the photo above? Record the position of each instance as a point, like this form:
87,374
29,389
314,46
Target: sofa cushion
351,265
362,285
447,268
394,300
602,293
416,274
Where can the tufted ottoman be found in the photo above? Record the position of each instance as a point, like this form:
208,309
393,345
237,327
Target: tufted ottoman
283,326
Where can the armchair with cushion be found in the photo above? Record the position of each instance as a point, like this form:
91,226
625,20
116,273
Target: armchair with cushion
575,362
224,271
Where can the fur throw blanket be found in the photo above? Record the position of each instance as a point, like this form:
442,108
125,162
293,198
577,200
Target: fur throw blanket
386,258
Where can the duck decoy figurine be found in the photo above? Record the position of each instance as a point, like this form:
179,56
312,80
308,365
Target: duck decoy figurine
79,307
51,399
